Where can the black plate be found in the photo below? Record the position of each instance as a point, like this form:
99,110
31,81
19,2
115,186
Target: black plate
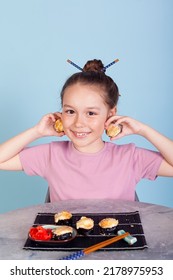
53,241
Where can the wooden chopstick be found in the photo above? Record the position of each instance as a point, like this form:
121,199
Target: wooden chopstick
104,243
95,247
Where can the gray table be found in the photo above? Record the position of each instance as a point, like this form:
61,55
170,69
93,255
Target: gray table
157,223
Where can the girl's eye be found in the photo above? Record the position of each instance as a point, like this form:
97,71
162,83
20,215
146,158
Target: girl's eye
91,113
70,112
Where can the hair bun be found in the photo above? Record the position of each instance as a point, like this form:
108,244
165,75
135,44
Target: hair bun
94,65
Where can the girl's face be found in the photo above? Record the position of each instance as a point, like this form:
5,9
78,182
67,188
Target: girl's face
84,115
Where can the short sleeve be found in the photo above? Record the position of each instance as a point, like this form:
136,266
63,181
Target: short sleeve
146,163
34,160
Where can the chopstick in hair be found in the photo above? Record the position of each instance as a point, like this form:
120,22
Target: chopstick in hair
74,64
110,64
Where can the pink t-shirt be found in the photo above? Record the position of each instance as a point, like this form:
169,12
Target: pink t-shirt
112,173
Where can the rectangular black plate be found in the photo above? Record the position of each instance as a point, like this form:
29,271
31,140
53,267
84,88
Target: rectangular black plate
129,221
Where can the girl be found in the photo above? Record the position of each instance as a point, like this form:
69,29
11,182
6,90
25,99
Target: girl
87,167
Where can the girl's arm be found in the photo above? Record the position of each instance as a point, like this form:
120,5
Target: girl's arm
163,144
9,151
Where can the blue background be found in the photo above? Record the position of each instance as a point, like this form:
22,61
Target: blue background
36,39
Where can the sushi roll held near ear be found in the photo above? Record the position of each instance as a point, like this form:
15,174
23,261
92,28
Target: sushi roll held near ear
113,130
63,218
58,126
85,225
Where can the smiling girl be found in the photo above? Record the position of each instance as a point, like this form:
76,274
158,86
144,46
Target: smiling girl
86,167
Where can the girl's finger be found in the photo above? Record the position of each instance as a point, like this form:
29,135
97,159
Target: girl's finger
114,119
58,115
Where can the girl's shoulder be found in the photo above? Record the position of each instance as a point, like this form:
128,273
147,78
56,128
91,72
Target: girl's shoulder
120,147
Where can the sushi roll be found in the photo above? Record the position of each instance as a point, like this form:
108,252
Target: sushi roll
85,225
62,233
63,218
108,225
113,130
58,126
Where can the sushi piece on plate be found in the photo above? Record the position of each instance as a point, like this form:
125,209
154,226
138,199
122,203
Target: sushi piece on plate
63,218
108,225
85,225
62,233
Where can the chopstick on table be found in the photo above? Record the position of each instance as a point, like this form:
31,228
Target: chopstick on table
105,243
95,247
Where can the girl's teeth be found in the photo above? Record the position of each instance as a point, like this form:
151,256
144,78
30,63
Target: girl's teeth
81,134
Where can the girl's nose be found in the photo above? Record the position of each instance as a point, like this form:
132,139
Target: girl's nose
79,121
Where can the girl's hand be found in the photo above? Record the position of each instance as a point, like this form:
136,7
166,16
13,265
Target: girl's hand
45,127
129,126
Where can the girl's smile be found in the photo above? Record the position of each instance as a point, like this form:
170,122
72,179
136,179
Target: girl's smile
80,134
84,115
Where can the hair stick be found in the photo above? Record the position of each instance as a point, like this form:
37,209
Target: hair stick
75,65
110,64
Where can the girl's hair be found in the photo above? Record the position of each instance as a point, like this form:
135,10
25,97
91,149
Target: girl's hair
93,74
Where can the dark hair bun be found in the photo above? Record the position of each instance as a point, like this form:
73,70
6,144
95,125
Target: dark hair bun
94,65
